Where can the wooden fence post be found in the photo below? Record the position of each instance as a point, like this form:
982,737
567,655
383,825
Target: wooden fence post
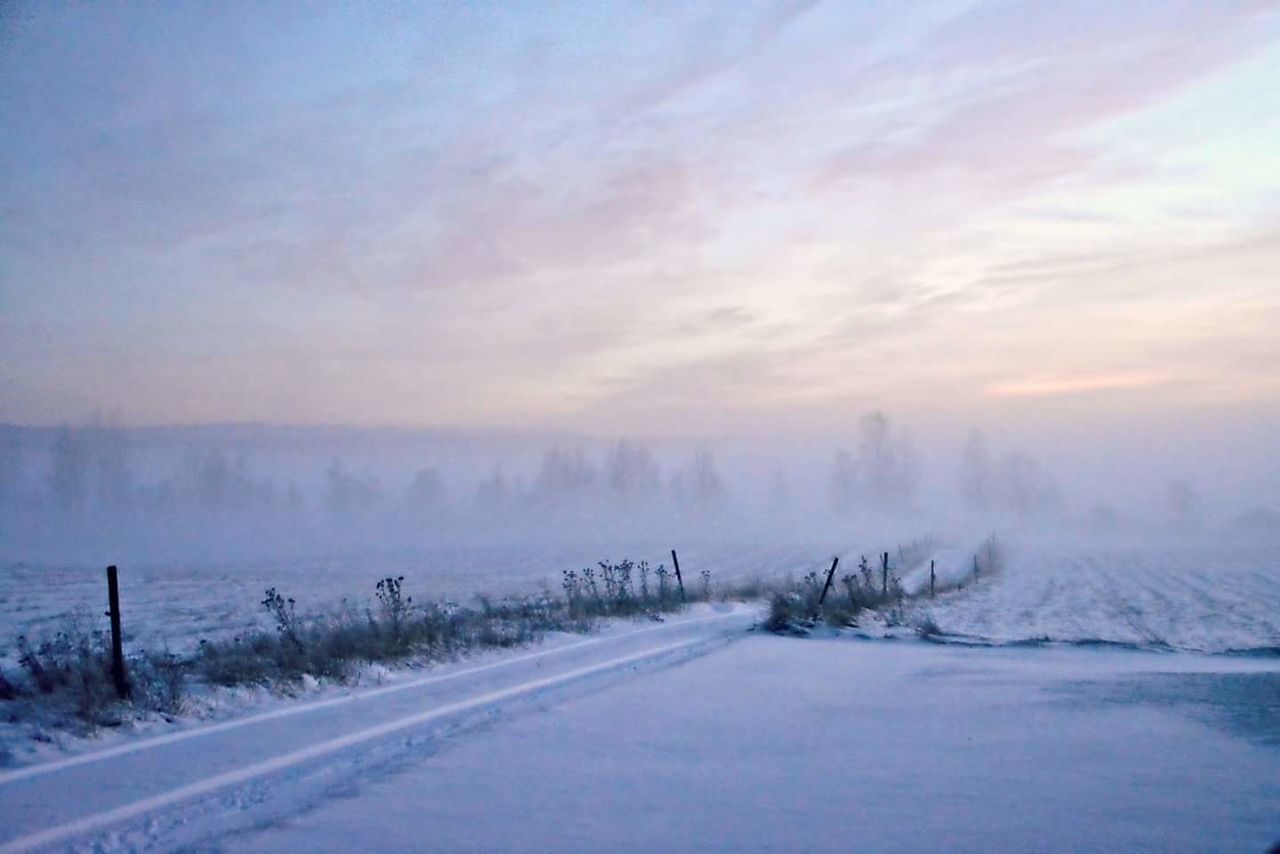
118,674
932,579
884,574
831,573
676,562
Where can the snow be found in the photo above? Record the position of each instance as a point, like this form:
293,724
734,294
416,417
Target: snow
1208,597
789,745
132,778
176,604
692,734
951,568
781,745
696,735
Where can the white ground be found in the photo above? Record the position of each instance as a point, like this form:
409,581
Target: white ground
1210,598
1205,597
177,604
697,735
784,745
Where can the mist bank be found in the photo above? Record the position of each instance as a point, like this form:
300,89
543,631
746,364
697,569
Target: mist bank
210,494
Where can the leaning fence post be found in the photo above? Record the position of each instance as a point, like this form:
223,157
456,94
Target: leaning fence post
831,573
932,579
118,674
675,561
884,574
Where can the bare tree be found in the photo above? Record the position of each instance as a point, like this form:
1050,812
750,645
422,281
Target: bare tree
843,487
1184,505
698,483
426,490
976,472
68,475
10,467
348,491
1026,487
493,492
884,472
886,461
779,495
108,461
1014,482
564,473
631,472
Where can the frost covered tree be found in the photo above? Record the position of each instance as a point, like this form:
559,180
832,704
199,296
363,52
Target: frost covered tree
1014,482
1026,488
108,462
698,482
631,473
1184,505
564,473
426,490
976,474
293,500
493,492
216,482
68,472
886,460
843,487
778,497
10,467
883,474
347,491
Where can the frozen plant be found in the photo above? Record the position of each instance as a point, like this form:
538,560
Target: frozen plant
590,575
282,610
392,602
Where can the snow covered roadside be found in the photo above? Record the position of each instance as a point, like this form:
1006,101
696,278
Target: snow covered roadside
778,744
175,779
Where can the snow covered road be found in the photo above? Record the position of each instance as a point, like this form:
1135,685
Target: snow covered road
780,744
638,740
182,788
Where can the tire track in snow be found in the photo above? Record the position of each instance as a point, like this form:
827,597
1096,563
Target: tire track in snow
98,821
305,708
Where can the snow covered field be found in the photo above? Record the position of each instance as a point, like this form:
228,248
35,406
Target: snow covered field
1203,597
177,604
698,735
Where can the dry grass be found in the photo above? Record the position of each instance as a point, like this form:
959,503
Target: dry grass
66,674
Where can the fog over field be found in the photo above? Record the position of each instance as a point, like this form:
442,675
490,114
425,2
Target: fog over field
93,494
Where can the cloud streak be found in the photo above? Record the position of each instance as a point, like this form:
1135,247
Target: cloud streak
558,215
1055,386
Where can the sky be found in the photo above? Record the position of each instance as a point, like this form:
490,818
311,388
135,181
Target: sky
641,219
